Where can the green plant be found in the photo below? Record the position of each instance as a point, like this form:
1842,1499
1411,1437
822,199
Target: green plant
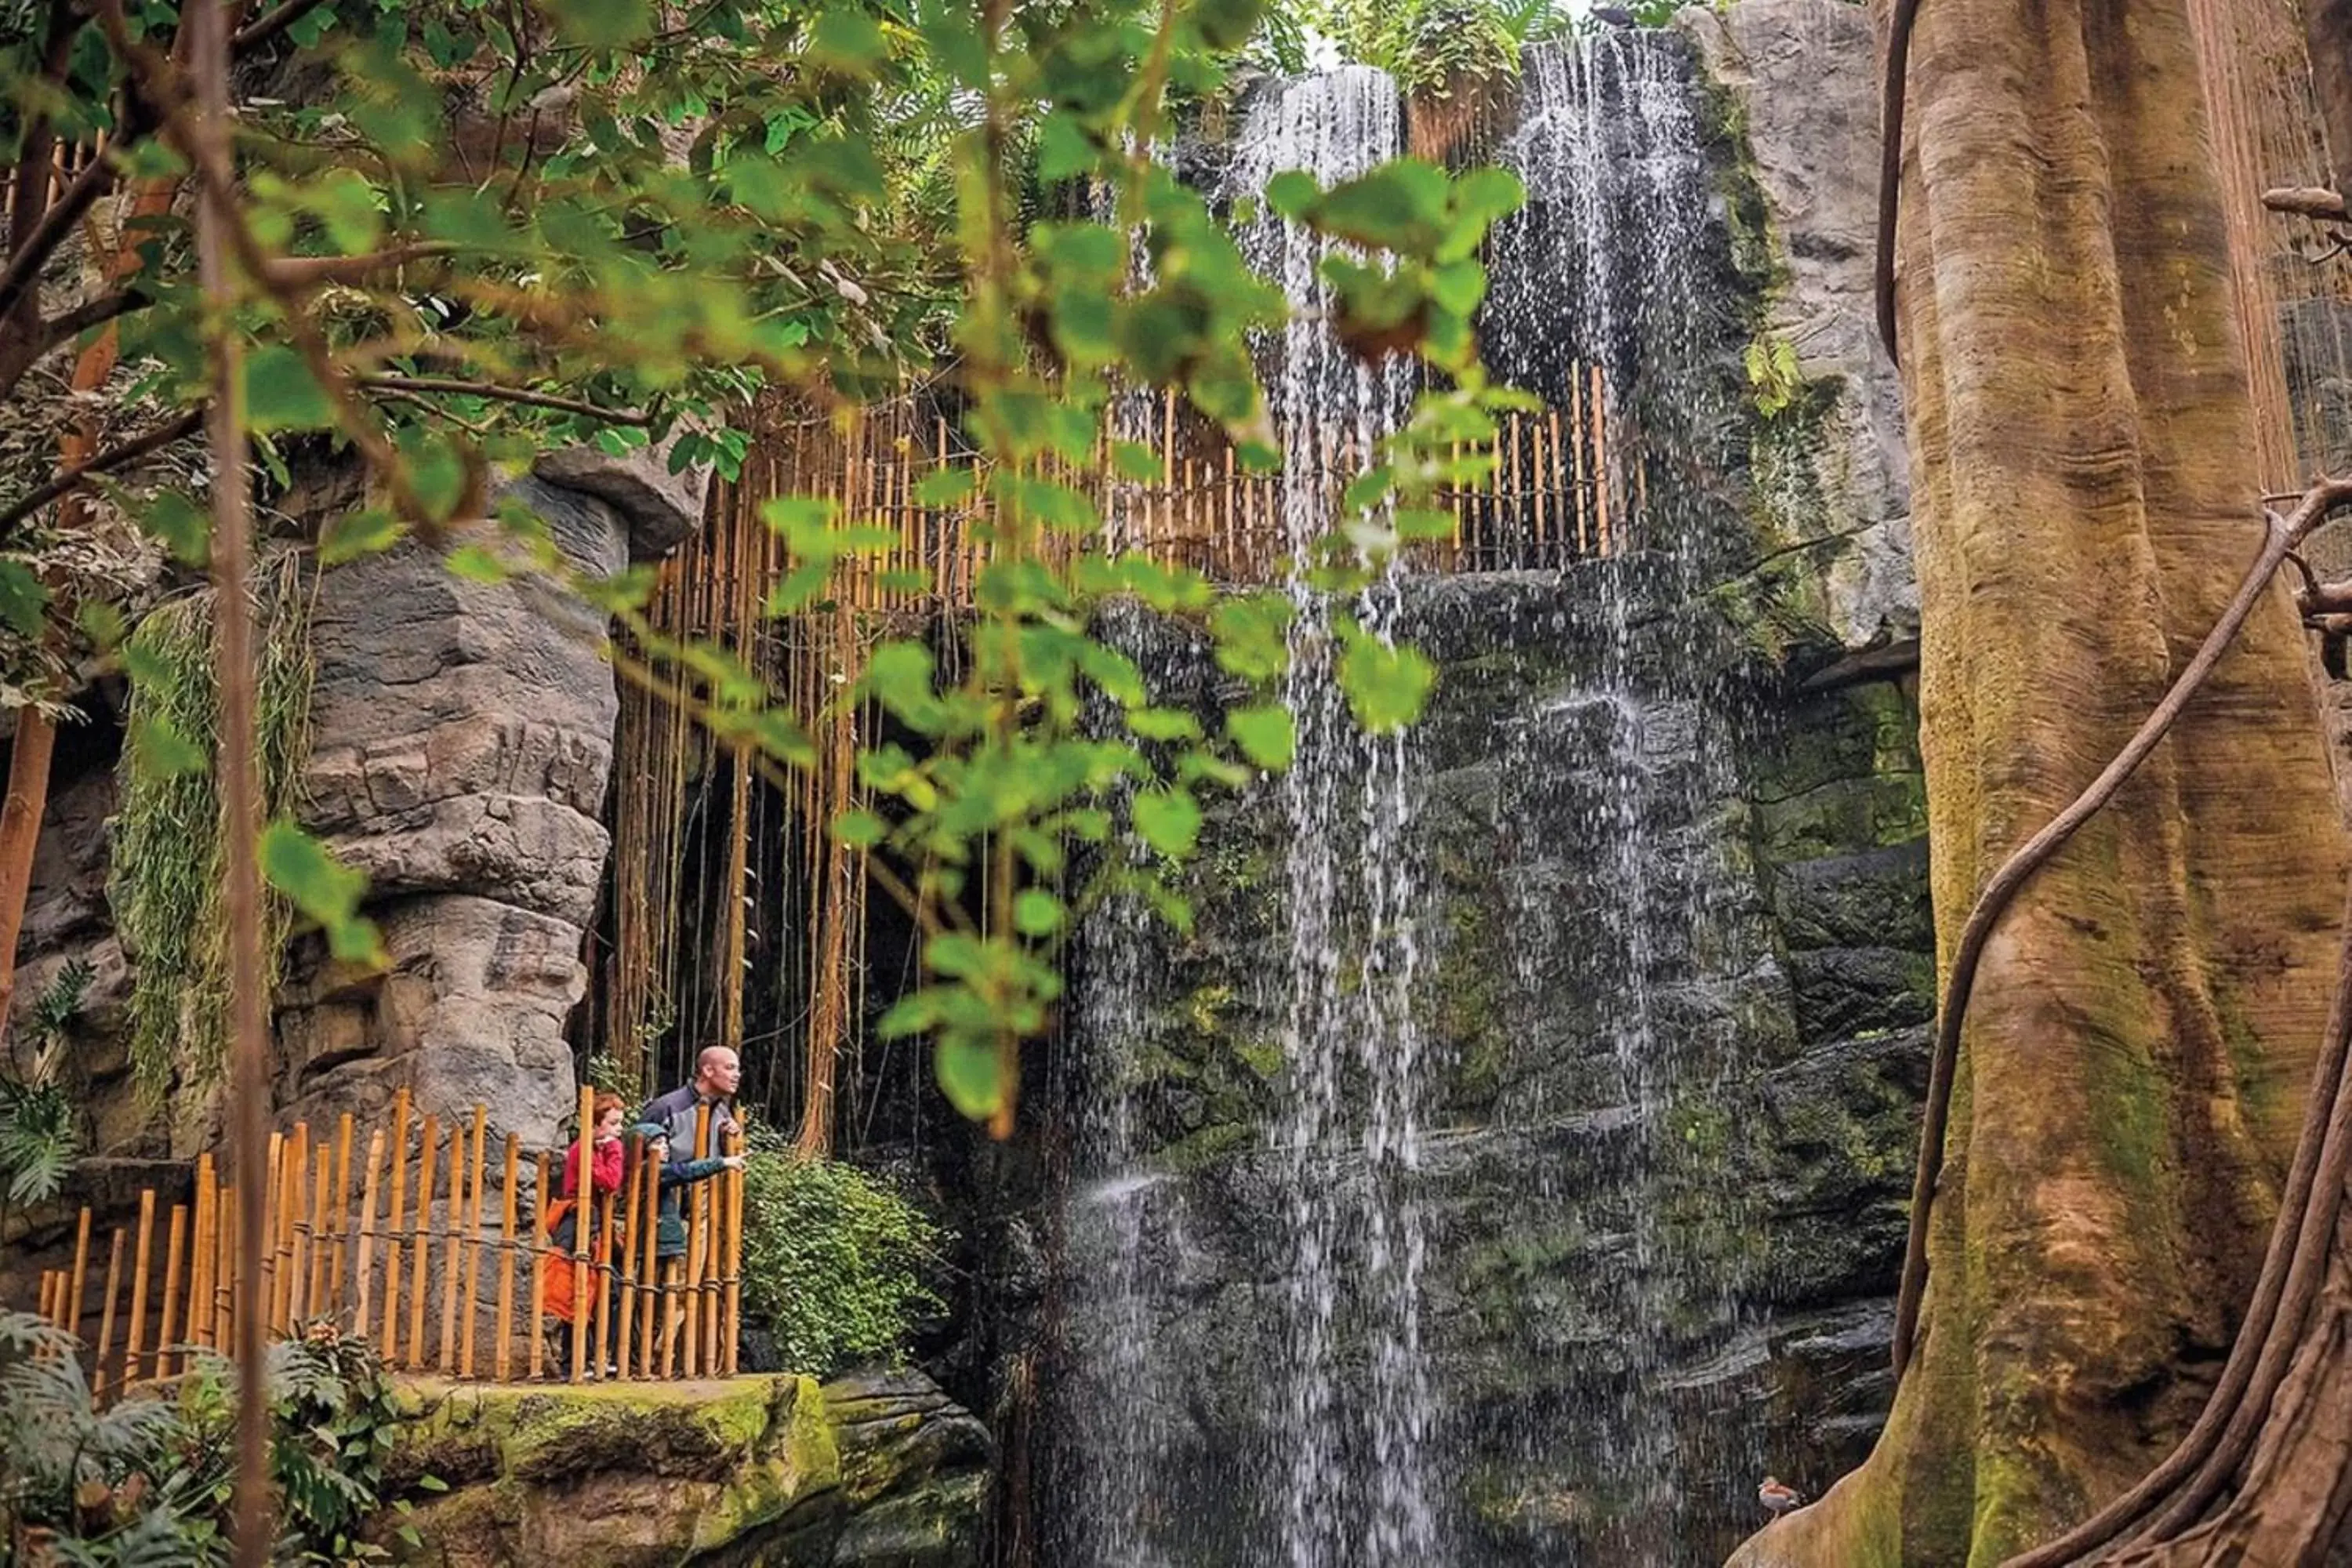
146,1480
1430,45
836,1266
165,878
40,1131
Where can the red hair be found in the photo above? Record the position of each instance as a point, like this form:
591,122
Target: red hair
606,1103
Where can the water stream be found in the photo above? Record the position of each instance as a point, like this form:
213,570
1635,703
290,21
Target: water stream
1411,1283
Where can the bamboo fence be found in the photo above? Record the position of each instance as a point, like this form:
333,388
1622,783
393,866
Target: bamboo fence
446,1274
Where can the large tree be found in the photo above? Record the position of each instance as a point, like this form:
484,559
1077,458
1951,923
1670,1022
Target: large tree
2133,1074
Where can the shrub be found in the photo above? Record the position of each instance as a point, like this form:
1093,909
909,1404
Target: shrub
147,1479
836,1266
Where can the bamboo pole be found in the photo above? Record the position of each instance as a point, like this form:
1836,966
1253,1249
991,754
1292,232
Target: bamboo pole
81,1265
264,1245
364,1261
1576,434
106,1316
453,1214
52,1293
1543,508
174,1252
733,1316
227,1231
583,1212
133,1347
500,1364
1602,480
395,1218
290,1220
540,1245
472,1310
697,1207
602,1307
420,1241
201,1247
650,1269
633,1222
342,1213
312,1283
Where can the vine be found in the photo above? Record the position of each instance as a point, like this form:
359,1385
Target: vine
165,880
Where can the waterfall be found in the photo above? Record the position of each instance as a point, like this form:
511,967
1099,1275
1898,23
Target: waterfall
1353,1453
1290,1194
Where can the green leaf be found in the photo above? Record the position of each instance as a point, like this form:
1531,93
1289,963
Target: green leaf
477,564
1036,912
280,393
322,888
859,830
23,599
1164,724
1386,686
365,532
180,525
846,40
969,1076
1267,735
160,751
1227,23
945,486
601,24
1169,820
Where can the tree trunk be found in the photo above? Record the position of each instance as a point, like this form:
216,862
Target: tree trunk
20,834
2327,33
2130,1082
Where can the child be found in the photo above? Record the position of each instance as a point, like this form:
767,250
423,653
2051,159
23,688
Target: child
669,1224
601,1151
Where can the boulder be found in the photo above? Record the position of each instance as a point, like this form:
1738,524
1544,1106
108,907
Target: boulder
661,507
462,742
866,1472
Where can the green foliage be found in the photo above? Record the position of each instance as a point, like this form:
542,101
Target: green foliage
1430,45
165,880
40,1127
1773,373
148,1479
600,222
836,1266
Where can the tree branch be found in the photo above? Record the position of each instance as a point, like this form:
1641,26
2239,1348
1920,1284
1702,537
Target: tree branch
313,271
75,476
261,30
459,388
2307,201
24,268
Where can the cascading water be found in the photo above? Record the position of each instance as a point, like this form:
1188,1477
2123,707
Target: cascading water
1353,1449
1310,1320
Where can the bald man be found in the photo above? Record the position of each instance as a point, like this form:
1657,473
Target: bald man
716,1072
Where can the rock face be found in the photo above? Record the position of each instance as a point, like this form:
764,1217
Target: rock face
1832,479
462,745
1646,1281
864,1472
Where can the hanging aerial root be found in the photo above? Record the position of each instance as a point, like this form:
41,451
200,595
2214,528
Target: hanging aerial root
2284,534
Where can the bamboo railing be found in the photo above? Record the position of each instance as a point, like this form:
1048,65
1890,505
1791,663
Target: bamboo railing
406,1266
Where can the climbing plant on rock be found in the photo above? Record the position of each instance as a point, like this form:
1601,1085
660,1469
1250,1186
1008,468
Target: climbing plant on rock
164,877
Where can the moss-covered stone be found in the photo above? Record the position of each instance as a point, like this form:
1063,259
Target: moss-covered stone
772,1470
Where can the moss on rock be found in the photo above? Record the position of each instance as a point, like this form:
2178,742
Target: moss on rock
749,1470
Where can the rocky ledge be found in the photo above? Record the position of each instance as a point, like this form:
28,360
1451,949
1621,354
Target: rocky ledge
880,1471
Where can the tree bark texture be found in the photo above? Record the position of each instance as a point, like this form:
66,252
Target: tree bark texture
2131,1076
